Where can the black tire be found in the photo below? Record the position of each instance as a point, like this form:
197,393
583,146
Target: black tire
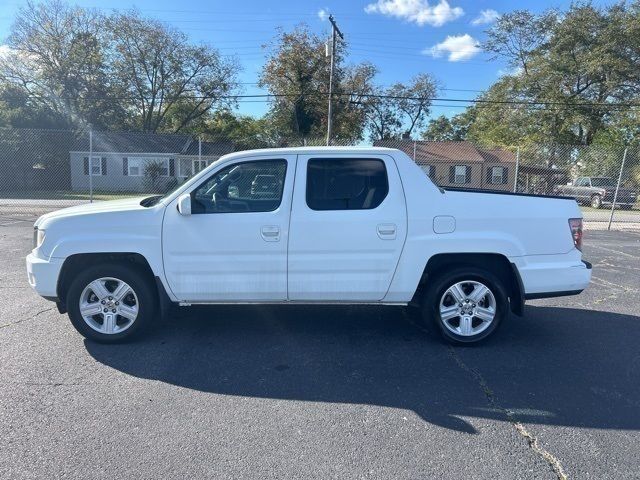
135,278
440,284
596,201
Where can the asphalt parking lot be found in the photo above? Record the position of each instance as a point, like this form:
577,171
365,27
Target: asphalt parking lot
325,392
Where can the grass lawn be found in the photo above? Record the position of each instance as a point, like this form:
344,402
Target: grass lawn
69,195
607,210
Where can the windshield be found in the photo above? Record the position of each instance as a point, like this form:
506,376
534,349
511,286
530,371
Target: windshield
602,182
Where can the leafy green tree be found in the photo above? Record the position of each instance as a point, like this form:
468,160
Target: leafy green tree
73,67
56,64
170,81
571,71
244,131
400,110
413,101
383,120
297,73
456,128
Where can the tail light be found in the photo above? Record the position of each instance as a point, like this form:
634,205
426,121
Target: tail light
575,225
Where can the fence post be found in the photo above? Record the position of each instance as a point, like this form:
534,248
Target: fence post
615,195
90,166
515,180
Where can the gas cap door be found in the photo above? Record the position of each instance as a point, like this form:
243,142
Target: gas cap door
444,224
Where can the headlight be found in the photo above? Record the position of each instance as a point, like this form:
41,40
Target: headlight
38,237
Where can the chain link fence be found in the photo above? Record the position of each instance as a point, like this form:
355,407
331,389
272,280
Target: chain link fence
42,170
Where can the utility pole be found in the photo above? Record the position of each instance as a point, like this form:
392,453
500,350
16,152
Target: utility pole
334,30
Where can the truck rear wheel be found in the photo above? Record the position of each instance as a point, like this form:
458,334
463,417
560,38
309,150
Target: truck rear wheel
467,304
596,201
110,303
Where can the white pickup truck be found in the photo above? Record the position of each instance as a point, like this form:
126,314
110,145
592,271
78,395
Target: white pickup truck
329,225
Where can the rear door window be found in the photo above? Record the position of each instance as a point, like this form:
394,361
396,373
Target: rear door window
346,183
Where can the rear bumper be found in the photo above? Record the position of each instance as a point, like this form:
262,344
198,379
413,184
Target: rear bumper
43,275
545,276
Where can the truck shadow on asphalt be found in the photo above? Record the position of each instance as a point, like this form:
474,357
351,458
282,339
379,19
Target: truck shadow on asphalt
555,366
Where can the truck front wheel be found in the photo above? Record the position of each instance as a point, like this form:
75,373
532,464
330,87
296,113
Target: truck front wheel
467,304
110,303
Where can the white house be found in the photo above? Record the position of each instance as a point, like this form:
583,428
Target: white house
119,161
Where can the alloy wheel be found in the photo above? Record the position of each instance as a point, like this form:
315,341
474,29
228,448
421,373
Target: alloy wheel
467,308
109,305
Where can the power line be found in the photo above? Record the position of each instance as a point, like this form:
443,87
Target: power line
271,96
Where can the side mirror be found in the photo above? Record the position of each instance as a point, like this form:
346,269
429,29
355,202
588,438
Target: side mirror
184,204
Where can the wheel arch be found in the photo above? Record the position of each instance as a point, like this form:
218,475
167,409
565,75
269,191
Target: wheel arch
77,262
496,263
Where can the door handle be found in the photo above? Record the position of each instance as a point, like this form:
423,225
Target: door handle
270,233
387,231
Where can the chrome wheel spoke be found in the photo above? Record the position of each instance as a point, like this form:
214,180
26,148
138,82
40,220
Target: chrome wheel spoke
447,313
90,309
109,323
121,291
128,312
485,314
466,326
479,291
457,293
99,289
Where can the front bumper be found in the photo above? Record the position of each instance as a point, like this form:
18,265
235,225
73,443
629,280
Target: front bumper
43,275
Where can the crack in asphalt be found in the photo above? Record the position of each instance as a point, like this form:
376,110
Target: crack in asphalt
28,318
532,441
553,462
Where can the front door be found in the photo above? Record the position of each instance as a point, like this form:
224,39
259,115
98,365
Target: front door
233,247
348,226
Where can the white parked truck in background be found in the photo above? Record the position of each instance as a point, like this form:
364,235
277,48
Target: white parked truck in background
331,225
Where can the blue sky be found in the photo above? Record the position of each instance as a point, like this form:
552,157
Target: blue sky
401,37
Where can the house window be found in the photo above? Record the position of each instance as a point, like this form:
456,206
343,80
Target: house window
460,174
136,166
96,166
430,170
199,165
189,167
497,175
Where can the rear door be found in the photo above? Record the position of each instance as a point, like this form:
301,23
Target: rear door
348,226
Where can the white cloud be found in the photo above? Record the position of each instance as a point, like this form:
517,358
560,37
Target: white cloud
4,50
512,72
486,17
417,11
323,14
457,47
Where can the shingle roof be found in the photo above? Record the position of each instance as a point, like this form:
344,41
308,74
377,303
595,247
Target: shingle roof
169,143
497,155
134,142
209,148
447,151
